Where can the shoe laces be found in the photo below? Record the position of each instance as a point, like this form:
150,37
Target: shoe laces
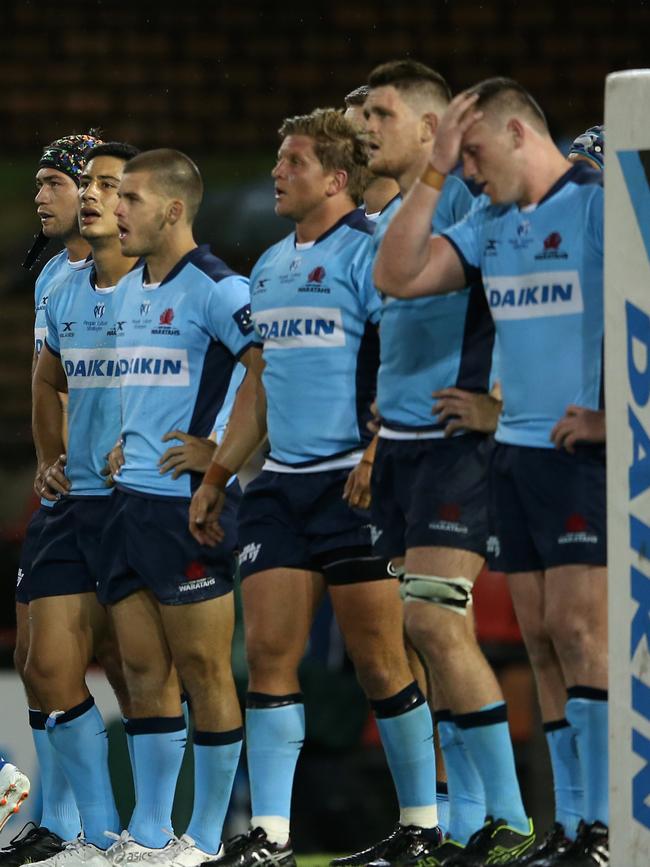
239,842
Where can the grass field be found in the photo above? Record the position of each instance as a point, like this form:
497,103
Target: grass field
314,860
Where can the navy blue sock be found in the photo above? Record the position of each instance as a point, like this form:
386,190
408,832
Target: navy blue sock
587,710
81,743
158,748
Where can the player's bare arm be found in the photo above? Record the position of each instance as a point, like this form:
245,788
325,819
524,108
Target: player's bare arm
410,262
245,434
47,423
579,425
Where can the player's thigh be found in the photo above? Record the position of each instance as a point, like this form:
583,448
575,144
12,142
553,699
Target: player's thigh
443,562
61,634
141,636
369,614
200,632
279,607
22,636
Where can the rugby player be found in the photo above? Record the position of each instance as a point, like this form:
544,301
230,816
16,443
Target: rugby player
182,325
68,626
378,191
314,306
538,247
429,489
57,206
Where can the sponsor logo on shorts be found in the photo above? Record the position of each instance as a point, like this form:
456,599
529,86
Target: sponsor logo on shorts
197,578
375,533
19,577
249,552
494,546
534,296
448,520
577,532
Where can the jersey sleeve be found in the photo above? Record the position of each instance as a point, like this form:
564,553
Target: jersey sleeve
465,238
229,315
52,331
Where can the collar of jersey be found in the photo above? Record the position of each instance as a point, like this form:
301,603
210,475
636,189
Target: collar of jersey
578,173
194,253
356,219
397,197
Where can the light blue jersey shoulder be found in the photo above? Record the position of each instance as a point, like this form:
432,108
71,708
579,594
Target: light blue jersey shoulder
542,268
57,270
316,310
81,331
434,342
178,343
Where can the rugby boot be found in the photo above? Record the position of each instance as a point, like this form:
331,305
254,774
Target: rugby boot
405,845
255,850
495,843
31,844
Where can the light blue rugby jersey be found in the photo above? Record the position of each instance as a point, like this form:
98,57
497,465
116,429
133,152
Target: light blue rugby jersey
177,345
542,269
316,310
434,342
57,270
81,331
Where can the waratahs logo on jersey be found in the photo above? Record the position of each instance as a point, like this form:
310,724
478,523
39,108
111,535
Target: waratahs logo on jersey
315,281
533,296
551,248
165,327
300,328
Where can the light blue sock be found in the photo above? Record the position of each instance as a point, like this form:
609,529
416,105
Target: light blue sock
275,731
216,757
158,748
487,738
562,737
466,793
442,800
60,814
406,731
586,710
81,744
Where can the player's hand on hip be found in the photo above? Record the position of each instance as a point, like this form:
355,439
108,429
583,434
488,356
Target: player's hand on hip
357,486
114,463
54,482
466,410
194,454
459,116
579,425
205,509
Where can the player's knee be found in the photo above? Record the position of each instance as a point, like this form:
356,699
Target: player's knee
264,653
572,635
20,658
450,594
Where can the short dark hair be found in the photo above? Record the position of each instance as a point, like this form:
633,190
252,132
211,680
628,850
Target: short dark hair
510,96
357,96
409,75
119,149
336,144
175,174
